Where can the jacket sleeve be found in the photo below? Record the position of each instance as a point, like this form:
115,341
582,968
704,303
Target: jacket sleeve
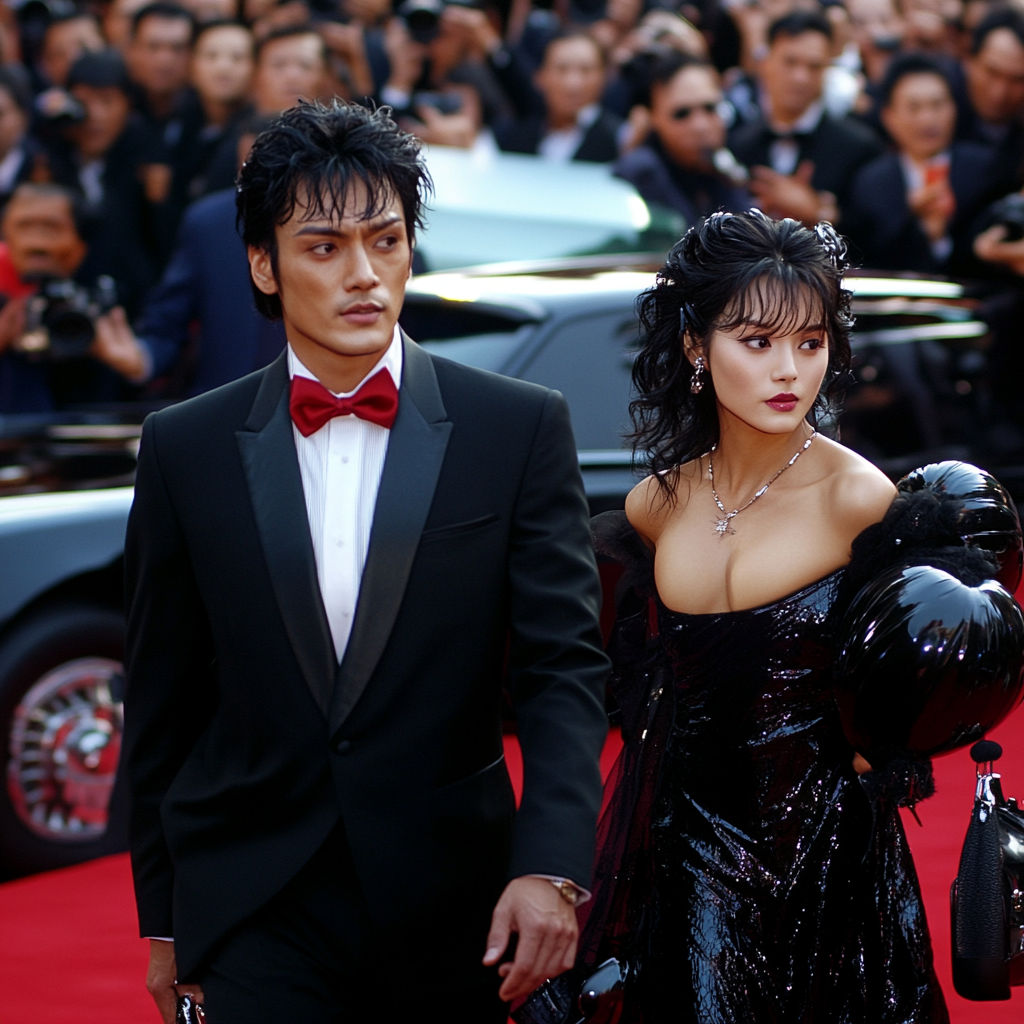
557,668
172,306
168,666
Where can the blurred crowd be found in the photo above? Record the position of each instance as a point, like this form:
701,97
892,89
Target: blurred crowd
123,123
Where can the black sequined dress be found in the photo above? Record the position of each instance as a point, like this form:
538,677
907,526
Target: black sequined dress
743,875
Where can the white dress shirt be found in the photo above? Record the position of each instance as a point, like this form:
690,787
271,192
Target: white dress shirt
560,146
341,466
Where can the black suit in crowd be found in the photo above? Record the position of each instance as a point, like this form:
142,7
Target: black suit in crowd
693,194
599,145
837,147
889,237
363,810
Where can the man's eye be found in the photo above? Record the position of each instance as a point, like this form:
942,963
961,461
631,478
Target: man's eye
389,241
323,249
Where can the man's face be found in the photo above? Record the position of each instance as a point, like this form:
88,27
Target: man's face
41,236
13,123
875,23
341,279
793,72
920,116
117,21
995,77
288,70
571,77
158,56
106,114
684,114
222,64
64,43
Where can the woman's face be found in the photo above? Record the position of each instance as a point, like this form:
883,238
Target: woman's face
222,65
769,377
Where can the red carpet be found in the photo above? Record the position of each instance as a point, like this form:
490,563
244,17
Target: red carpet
68,952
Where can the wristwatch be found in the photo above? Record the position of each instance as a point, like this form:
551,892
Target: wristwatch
566,890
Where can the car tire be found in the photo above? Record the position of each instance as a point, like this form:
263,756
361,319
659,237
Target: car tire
61,686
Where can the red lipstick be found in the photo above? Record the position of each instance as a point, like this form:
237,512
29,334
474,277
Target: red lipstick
784,402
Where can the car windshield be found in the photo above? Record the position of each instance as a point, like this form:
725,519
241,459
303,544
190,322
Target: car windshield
491,207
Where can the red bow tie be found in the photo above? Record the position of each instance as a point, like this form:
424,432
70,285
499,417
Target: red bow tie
312,405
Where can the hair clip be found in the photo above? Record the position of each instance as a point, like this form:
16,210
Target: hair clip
833,244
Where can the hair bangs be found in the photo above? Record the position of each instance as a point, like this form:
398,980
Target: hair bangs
778,300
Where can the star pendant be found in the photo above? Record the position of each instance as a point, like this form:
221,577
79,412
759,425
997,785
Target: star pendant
723,527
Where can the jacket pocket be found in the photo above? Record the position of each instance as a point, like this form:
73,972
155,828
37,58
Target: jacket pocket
458,529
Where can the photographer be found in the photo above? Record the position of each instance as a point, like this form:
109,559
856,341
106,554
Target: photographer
45,231
96,149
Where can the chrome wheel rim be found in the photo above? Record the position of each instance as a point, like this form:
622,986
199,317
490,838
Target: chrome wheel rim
64,749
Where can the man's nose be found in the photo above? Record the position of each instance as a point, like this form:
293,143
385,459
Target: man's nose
361,276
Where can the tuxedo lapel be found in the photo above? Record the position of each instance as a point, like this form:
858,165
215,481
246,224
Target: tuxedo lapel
275,486
416,449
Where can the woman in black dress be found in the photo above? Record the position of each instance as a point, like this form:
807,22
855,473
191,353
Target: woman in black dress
743,873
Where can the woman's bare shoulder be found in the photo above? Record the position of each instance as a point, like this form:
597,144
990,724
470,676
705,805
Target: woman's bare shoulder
650,504
859,493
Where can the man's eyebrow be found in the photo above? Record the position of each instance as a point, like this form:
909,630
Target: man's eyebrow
333,232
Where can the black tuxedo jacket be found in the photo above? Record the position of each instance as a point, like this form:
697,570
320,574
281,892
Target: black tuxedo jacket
838,148
246,741
879,221
600,142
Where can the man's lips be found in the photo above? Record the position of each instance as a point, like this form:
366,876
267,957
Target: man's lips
362,313
785,402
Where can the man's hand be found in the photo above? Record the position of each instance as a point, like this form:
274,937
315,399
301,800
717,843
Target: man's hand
117,346
473,27
933,205
161,980
12,322
791,195
990,245
547,930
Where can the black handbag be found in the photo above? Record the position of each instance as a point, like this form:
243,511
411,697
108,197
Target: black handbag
987,898
564,1000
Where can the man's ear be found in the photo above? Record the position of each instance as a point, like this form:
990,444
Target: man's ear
262,270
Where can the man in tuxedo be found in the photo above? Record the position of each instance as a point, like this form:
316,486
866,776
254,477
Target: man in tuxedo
331,566
913,209
674,166
570,123
802,159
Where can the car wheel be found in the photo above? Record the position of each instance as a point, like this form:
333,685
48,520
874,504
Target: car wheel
61,685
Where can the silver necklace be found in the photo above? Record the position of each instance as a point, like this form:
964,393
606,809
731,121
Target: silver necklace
723,525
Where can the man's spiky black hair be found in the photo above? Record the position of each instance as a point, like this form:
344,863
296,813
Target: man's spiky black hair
323,150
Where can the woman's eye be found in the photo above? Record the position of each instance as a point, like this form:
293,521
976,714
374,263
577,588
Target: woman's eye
813,343
757,343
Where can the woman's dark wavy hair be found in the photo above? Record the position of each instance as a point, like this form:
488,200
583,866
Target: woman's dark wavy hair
724,272
324,150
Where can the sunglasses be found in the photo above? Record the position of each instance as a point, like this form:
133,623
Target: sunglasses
685,113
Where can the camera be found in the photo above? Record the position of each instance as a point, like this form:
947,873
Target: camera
1009,213
423,17
61,317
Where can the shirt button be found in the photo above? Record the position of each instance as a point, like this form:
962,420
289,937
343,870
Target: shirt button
340,543
343,746
344,458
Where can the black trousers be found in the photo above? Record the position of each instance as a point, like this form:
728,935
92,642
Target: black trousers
310,956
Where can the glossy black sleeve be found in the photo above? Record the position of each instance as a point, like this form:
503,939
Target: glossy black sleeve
168,668
557,667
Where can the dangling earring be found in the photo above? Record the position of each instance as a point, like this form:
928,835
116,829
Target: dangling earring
696,384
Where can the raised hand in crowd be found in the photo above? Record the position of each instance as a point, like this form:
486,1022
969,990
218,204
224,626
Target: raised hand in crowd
993,247
12,322
116,345
473,27
934,206
348,43
792,195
